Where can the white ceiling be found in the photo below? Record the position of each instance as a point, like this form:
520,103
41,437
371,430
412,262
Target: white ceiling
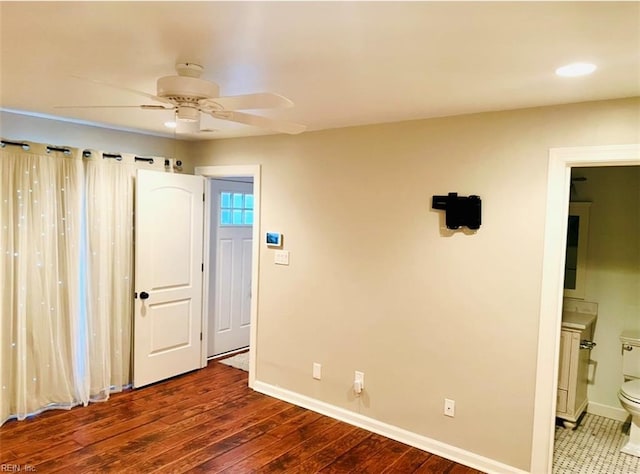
342,63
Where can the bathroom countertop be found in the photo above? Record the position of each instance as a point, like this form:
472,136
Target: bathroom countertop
630,336
580,321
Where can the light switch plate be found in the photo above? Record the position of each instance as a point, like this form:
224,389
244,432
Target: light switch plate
317,371
281,257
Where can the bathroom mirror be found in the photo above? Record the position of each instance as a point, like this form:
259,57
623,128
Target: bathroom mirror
575,266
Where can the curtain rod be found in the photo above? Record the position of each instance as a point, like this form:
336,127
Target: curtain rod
115,156
141,158
23,145
66,151
87,153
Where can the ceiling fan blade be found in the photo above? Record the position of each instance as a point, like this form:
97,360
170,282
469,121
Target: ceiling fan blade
116,86
261,100
143,106
259,121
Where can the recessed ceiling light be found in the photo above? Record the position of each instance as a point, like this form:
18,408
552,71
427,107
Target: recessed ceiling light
576,69
170,124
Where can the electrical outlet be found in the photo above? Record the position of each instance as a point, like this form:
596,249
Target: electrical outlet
317,371
449,407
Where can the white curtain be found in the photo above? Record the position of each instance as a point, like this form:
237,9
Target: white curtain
109,272
66,277
40,214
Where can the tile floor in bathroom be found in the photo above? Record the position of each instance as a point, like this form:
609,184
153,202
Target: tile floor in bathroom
593,448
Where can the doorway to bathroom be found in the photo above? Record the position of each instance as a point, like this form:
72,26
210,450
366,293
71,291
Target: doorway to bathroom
603,288
561,163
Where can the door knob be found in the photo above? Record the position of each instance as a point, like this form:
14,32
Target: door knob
144,295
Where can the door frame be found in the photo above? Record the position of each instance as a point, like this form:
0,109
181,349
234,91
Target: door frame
228,171
561,161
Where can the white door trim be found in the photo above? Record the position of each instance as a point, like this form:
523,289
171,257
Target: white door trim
252,171
561,160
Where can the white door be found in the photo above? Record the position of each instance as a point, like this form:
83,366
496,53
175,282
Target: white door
230,288
168,276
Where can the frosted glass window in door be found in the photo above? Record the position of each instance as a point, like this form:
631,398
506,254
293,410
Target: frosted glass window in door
236,209
225,200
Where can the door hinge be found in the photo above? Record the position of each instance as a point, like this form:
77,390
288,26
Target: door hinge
201,336
202,197
135,295
202,267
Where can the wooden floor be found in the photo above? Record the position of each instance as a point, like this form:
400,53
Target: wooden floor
204,421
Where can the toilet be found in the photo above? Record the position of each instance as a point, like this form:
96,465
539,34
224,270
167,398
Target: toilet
629,394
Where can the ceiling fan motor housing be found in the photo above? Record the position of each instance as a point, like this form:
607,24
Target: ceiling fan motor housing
182,89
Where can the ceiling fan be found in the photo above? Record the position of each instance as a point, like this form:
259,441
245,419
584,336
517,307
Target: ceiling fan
189,96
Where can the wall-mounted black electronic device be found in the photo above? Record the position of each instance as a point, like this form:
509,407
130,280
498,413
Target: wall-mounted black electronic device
460,210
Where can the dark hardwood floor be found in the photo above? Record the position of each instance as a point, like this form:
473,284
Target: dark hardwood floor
204,421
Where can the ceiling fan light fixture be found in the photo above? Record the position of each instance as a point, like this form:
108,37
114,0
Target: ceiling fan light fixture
188,113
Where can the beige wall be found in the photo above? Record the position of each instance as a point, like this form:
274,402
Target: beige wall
613,270
375,285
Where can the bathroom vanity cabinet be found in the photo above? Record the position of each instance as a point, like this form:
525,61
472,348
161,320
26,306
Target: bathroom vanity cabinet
575,348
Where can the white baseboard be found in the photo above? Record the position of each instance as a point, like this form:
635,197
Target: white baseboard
393,432
615,413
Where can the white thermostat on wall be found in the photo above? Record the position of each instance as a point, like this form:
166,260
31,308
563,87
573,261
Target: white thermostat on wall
273,239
